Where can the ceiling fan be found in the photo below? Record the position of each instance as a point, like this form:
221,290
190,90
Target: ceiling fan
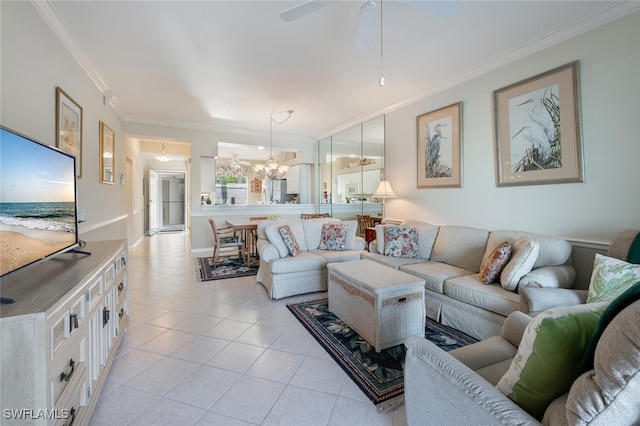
367,17
235,163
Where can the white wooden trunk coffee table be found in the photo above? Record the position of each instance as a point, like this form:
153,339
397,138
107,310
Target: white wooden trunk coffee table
383,305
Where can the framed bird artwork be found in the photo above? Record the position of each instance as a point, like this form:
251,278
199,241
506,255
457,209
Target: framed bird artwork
537,129
440,148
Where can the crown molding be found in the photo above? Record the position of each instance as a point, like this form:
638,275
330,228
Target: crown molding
604,16
59,28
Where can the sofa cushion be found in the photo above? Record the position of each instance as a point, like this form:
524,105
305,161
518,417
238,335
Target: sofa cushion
332,256
289,240
523,257
434,273
562,276
495,262
313,230
400,241
460,246
551,346
304,261
610,278
470,289
392,262
273,235
609,393
352,229
553,250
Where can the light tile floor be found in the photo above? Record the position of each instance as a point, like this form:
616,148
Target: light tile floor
220,353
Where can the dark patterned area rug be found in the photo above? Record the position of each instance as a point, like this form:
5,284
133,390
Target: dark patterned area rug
227,267
379,375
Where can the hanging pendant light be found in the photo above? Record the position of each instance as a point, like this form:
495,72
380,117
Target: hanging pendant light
273,169
164,158
381,81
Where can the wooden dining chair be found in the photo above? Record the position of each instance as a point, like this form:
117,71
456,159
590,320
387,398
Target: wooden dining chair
254,234
225,242
364,221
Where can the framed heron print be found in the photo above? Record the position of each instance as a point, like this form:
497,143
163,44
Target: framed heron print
69,127
537,129
440,148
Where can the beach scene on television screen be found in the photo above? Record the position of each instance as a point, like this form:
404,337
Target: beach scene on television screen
37,202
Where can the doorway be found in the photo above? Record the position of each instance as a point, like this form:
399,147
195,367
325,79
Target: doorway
171,201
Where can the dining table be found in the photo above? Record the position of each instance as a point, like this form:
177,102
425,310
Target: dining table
248,230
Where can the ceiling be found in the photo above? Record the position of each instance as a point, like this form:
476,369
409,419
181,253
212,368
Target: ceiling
234,63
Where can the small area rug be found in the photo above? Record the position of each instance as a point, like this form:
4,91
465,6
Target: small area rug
227,267
379,375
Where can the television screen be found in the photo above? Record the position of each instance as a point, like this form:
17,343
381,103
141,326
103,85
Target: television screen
38,215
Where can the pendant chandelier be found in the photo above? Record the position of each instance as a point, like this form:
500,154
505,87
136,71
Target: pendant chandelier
273,169
164,157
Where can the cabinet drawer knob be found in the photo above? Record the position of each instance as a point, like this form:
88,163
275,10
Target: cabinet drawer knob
73,321
65,377
105,316
72,415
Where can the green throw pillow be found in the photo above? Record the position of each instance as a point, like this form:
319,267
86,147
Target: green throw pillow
551,346
610,278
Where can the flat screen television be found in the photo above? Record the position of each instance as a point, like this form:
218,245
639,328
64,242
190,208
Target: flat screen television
38,202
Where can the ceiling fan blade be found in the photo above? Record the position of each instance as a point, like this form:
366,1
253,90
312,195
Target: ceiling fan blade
366,23
443,8
303,9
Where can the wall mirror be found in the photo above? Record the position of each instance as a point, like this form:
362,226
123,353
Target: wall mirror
350,165
107,157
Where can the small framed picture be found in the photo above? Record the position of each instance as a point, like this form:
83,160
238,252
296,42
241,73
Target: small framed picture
537,129
107,154
69,127
440,148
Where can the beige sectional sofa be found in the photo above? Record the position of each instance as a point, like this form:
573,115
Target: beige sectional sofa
450,258
284,275
450,388
449,261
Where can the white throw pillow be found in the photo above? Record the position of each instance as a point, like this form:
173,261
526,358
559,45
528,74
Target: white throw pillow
273,234
523,256
610,278
352,229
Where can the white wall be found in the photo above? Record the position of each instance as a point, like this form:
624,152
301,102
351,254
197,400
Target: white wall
34,63
609,199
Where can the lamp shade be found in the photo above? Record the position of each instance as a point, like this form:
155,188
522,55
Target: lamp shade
384,190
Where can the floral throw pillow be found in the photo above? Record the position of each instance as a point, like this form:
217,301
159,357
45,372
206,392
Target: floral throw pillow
495,263
401,241
334,237
610,278
289,239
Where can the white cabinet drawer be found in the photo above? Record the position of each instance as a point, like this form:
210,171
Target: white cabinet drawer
95,291
65,322
67,372
73,409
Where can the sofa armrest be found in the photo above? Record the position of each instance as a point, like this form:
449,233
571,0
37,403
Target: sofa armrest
267,251
514,326
534,300
360,244
561,276
441,390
